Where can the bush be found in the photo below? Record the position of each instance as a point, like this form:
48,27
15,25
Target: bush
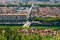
47,19
11,5
1,5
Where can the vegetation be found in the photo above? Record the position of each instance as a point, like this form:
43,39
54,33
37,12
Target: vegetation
15,5
1,5
48,5
11,5
24,5
10,33
51,19
29,5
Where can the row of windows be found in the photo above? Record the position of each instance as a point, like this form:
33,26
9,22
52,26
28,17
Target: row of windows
12,22
43,0
10,17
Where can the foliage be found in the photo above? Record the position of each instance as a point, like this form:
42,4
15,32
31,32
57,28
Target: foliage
2,5
47,19
29,5
11,5
48,5
12,34
26,5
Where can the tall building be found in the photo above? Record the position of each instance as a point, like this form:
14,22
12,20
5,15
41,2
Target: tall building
43,0
58,0
2,1
12,1
51,0
24,0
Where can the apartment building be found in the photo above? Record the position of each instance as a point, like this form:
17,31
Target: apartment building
43,0
11,16
2,1
24,1
46,12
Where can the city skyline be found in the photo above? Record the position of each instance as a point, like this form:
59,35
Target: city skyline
23,1
29,0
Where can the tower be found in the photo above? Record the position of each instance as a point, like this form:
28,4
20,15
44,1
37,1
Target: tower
51,0
3,1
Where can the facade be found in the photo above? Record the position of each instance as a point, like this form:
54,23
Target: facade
2,1
11,16
45,12
43,0
13,19
24,1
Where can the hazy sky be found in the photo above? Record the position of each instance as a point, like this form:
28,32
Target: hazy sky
15,0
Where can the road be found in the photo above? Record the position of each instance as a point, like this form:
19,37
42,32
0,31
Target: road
27,24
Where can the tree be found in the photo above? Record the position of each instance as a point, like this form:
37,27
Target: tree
12,5
1,5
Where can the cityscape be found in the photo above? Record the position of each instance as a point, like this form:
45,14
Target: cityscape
24,1
29,19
